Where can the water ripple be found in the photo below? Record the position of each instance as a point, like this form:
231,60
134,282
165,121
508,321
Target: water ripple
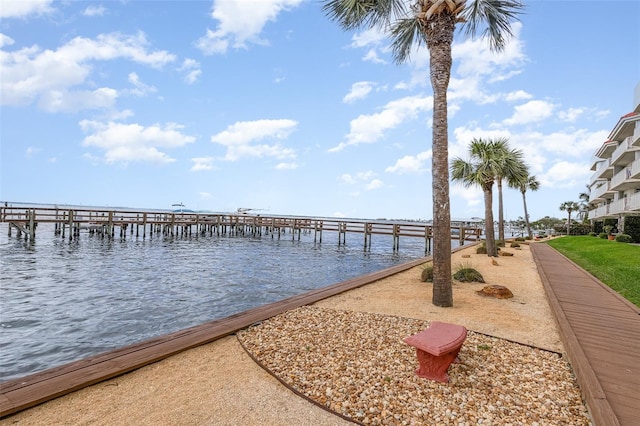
65,300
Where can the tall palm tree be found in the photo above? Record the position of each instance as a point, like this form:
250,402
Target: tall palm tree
432,22
569,206
486,158
510,166
530,183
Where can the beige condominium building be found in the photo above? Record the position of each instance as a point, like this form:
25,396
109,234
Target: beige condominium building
615,185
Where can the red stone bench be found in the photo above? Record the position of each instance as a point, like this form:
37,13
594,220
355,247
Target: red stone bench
436,348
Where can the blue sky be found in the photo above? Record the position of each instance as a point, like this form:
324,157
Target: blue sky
267,104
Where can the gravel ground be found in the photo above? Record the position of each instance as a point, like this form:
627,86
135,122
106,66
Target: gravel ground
356,364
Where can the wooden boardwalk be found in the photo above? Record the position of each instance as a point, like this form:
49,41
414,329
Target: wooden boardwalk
600,331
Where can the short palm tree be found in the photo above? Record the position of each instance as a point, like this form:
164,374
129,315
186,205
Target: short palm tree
532,184
485,164
433,23
569,206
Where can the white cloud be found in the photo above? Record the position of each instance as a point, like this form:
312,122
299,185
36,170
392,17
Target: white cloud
24,8
31,151
94,10
240,23
359,90
530,112
518,95
563,174
474,57
476,66
202,163
140,88
571,114
367,179
368,38
374,184
286,166
192,69
126,143
5,40
118,115
59,100
372,56
370,128
58,79
473,196
346,178
239,139
573,143
410,164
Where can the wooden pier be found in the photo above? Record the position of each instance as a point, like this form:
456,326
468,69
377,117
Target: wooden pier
71,222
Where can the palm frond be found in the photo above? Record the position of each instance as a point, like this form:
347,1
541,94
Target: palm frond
496,15
404,33
353,14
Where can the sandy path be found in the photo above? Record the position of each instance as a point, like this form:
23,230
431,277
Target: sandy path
219,384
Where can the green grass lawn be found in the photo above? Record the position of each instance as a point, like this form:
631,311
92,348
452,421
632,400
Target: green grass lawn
615,264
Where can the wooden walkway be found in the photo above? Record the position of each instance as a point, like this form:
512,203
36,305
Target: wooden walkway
600,331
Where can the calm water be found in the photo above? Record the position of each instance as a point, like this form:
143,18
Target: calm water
64,300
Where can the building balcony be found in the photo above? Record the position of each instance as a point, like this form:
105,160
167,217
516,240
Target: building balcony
636,135
624,179
624,153
635,169
627,205
599,213
602,192
604,170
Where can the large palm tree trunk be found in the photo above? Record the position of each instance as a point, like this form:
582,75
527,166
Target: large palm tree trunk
488,226
439,31
500,213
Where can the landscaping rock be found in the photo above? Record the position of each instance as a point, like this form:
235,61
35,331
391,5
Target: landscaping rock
497,291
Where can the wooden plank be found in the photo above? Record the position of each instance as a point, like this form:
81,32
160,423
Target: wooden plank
601,333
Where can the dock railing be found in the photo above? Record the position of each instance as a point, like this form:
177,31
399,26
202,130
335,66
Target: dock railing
108,223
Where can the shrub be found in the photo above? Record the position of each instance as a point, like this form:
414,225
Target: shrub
466,273
427,274
527,237
481,249
515,245
624,238
500,243
593,234
632,227
603,235
520,239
